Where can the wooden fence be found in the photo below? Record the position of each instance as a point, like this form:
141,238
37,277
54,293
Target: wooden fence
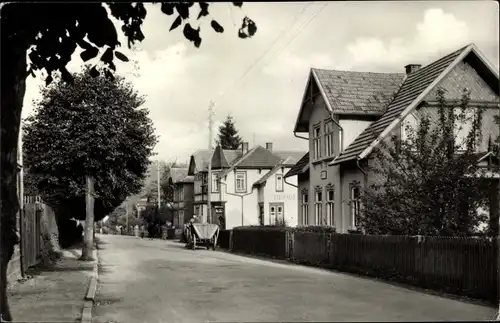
461,265
31,235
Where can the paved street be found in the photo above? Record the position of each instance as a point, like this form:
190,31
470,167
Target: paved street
157,281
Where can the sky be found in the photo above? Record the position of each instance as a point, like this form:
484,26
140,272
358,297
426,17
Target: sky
260,81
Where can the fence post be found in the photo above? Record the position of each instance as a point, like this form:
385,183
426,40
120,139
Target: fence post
231,240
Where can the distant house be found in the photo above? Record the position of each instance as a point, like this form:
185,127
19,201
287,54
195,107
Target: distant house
347,114
251,189
182,199
198,168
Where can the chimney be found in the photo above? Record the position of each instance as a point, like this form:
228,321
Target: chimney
269,146
244,147
410,68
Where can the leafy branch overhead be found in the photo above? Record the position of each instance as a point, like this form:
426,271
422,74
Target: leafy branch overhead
54,37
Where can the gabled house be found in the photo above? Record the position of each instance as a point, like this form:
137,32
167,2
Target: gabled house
182,198
198,168
251,189
347,114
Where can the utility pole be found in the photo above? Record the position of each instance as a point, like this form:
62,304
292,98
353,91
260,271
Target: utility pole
158,180
126,214
209,175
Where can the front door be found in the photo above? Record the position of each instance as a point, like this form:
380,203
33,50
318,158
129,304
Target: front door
276,213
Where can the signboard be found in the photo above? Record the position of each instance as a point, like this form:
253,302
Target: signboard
283,197
324,174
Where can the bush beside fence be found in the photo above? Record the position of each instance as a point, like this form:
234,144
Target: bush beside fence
223,240
460,265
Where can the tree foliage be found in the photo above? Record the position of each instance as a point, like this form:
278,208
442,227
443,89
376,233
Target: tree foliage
228,136
55,30
50,33
94,127
427,188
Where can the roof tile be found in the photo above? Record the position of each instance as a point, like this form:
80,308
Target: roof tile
411,88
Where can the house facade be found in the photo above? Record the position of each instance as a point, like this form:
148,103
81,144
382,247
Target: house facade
347,114
183,193
251,190
198,168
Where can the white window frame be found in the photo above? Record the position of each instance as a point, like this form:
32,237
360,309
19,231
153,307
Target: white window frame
330,207
305,208
318,206
215,182
240,182
317,141
355,205
329,138
279,183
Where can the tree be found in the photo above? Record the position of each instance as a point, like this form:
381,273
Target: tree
428,189
93,128
52,38
228,135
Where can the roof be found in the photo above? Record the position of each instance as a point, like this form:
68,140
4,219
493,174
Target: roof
358,92
412,91
289,158
219,161
260,157
264,178
350,92
187,179
300,167
202,156
177,174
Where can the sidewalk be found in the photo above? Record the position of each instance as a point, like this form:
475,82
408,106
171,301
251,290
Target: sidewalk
54,294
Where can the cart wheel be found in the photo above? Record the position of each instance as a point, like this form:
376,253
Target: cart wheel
208,246
213,247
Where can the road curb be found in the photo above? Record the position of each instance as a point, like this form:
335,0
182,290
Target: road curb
91,291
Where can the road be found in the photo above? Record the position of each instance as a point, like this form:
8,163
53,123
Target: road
142,280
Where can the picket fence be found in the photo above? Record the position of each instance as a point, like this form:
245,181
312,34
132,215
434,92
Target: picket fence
460,265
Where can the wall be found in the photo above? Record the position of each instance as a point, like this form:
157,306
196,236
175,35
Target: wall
320,114
188,201
350,173
352,129
288,197
250,202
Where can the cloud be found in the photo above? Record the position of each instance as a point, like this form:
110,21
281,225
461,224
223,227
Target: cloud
438,33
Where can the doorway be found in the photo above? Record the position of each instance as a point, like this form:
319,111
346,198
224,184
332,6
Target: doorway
276,213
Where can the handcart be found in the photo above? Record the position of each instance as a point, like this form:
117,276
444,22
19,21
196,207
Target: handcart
202,235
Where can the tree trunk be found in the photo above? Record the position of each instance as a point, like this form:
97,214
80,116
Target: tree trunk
88,238
13,79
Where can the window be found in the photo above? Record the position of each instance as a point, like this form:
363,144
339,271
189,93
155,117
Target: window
305,207
241,182
330,199
215,183
272,214
197,210
279,183
318,205
355,204
181,193
317,142
329,138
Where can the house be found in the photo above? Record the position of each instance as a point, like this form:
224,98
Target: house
348,114
183,193
251,190
198,168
